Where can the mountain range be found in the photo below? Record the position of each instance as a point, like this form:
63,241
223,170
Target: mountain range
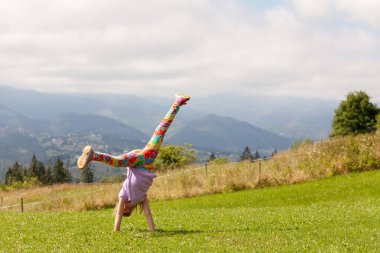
61,124
291,117
225,134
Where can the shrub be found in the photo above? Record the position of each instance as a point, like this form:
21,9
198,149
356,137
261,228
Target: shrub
27,183
299,143
220,160
174,156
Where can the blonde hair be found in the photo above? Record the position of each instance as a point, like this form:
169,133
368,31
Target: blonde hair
140,204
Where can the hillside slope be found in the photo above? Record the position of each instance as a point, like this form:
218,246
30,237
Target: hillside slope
85,124
217,133
294,118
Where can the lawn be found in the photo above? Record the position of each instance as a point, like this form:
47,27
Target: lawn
339,214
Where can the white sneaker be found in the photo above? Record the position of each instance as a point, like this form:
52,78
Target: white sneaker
86,157
181,99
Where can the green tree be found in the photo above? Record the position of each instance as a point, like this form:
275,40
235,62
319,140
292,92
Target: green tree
246,155
16,173
68,177
33,167
174,156
48,178
211,157
355,115
41,171
87,175
257,155
37,169
378,122
60,173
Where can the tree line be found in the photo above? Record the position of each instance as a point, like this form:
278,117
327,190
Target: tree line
246,155
44,174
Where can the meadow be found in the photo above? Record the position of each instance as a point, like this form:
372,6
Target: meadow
303,162
337,214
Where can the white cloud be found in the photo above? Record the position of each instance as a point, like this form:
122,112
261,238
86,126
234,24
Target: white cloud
313,8
363,10
311,48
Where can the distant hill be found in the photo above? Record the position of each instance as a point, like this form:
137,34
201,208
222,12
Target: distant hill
217,133
85,124
300,119
11,118
15,146
21,137
39,105
138,112
15,143
291,117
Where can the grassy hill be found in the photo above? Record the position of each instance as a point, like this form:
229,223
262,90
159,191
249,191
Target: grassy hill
339,214
303,162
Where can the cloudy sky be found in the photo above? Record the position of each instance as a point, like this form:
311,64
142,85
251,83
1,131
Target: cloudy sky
313,48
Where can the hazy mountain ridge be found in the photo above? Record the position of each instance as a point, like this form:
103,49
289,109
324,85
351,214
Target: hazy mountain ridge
11,118
291,117
52,125
138,112
301,119
225,134
85,124
295,118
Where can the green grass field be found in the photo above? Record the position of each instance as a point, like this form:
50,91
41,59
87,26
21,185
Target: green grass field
339,214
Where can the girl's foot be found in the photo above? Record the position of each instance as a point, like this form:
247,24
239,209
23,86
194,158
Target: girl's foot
86,157
181,99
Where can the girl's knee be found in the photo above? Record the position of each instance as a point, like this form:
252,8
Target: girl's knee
150,153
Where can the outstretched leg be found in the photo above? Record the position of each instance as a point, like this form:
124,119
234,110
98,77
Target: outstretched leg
151,149
139,157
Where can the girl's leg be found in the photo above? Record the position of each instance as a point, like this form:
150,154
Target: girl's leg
151,149
119,214
148,215
137,158
130,159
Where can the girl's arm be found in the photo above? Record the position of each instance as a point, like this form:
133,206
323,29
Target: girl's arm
119,215
148,215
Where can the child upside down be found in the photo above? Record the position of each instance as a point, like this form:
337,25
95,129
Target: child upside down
139,165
